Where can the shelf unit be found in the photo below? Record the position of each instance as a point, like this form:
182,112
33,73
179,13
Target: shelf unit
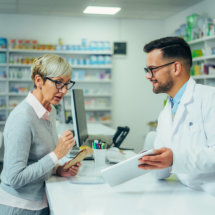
206,44
92,71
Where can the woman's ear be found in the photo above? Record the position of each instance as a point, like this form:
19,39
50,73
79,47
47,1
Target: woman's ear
38,81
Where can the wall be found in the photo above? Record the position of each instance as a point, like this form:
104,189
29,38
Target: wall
134,104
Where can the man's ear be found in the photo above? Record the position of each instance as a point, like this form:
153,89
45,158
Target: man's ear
178,68
38,81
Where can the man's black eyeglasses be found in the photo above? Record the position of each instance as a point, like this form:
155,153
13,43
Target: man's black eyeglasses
150,70
60,85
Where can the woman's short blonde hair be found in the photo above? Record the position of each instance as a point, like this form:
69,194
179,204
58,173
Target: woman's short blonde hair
50,65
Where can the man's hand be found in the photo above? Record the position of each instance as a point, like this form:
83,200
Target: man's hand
162,158
72,171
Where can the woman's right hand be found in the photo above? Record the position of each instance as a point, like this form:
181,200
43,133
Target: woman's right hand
65,144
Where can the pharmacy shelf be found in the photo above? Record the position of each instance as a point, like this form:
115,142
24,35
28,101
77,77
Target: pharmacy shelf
3,64
94,81
204,77
101,122
96,95
200,40
103,66
77,81
208,57
20,65
93,109
20,80
61,52
98,109
206,44
93,95
17,94
18,76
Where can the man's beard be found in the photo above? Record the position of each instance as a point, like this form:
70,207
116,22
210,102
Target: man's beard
164,88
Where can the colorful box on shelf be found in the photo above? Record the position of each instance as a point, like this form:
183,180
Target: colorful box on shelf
3,43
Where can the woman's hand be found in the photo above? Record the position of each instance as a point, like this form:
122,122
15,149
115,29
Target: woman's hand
72,171
65,144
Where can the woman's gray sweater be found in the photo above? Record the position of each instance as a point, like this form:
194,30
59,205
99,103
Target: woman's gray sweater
28,140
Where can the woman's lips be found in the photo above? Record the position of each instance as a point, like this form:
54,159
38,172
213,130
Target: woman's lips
58,98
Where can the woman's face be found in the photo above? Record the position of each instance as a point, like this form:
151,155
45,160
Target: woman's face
50,93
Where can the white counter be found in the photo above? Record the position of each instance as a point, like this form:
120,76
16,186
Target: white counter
143,195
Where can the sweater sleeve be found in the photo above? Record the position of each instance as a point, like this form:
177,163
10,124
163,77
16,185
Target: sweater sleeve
18,172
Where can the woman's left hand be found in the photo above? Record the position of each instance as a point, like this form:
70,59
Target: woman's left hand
72,171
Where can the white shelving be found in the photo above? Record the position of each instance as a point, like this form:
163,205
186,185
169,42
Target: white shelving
203,39
95,80
204,77
206,44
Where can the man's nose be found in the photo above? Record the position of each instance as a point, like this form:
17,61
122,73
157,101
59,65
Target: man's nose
148,75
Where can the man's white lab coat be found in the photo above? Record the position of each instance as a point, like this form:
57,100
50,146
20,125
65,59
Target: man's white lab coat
191,136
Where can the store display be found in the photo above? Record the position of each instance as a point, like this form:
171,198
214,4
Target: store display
92,68
201,38
196,26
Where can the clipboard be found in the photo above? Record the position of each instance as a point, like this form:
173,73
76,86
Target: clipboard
125,170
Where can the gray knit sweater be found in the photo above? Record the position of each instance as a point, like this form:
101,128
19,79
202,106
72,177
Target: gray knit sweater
28,140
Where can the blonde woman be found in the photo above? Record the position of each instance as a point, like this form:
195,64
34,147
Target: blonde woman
32,148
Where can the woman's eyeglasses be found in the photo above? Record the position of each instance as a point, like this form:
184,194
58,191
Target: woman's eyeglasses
60,85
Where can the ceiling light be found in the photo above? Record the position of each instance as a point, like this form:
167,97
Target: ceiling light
102,10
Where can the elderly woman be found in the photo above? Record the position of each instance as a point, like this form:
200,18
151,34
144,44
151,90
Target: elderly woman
32,148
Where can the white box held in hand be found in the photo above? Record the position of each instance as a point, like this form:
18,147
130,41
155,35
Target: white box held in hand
125,170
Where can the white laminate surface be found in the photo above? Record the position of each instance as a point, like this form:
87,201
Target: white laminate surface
143,195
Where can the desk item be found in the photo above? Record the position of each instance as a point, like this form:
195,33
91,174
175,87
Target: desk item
115,155
80,122
120,135
99,154
99,157
79,157
125,170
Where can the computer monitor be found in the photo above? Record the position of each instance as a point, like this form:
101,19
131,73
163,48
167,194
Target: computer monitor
61,115
79,116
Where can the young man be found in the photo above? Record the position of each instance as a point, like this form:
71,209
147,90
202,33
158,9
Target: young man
185,142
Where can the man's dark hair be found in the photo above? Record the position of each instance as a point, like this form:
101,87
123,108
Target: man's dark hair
171,47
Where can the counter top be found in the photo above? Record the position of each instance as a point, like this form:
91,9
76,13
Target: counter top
142,195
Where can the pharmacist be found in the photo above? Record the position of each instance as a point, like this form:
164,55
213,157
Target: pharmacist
32,148
185,141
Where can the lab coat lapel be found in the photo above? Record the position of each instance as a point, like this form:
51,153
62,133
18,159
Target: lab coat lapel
186,98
